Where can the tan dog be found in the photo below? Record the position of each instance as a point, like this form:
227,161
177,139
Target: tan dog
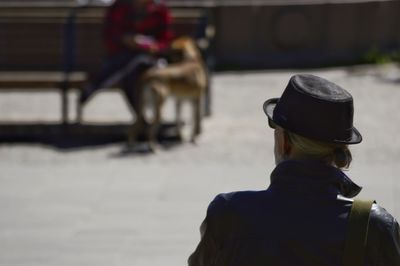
184,80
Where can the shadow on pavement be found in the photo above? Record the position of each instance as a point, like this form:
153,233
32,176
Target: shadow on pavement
73,136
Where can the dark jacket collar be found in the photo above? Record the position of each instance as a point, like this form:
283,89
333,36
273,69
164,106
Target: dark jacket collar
312,177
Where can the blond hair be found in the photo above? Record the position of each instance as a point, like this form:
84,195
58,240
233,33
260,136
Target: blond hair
337,154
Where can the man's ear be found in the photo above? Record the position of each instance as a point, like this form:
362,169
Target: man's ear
287,144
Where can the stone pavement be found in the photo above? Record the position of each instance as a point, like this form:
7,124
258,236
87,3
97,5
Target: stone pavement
98,206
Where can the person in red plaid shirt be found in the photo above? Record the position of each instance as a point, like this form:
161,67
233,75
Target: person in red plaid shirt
135,32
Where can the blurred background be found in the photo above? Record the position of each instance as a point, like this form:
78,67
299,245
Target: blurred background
254,34
73,194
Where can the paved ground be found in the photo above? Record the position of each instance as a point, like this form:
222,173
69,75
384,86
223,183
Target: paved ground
98,206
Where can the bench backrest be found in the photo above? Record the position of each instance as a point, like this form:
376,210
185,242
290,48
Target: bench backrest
36,39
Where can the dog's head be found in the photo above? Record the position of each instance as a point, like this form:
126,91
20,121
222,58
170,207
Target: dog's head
187,46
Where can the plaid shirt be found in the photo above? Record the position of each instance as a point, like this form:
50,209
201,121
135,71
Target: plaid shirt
123,18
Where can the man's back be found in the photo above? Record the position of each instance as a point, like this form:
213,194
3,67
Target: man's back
298,220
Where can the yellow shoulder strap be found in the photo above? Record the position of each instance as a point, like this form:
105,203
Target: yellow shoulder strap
357,233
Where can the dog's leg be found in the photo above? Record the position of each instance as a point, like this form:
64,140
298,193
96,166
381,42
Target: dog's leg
158,101
196,118
178,118
155,126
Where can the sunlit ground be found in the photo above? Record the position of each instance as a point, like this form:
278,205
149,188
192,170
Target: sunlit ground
96,206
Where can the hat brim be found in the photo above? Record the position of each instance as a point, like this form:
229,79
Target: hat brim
270,105
355,137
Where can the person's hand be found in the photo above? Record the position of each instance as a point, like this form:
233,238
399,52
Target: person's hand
139,41
130,41
153,49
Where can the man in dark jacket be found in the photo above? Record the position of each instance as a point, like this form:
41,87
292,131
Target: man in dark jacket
302,218
135,32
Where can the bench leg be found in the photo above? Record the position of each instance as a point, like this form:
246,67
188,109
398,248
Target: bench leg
64,103
79,111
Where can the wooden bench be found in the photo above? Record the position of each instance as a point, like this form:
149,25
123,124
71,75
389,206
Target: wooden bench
31,80
56,47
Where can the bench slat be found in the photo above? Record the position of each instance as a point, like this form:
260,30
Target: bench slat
36,79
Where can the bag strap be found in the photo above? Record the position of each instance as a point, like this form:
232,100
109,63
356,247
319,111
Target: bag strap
357,233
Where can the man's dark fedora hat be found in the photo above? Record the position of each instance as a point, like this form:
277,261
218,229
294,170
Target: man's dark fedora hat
314,108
